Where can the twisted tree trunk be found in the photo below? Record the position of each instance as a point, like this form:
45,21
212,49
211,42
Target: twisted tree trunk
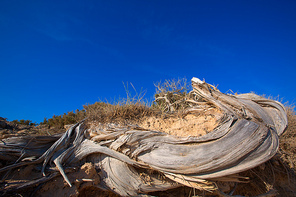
131,161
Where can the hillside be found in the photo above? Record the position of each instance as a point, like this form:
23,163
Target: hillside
171,114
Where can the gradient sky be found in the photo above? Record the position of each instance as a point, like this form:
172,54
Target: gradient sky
56,56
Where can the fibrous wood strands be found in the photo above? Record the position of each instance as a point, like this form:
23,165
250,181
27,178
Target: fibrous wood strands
132,161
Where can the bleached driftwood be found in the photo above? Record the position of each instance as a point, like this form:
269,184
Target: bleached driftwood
247,136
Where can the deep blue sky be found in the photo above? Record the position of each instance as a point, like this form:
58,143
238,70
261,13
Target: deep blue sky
56,56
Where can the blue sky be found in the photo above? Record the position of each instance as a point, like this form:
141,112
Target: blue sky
56,56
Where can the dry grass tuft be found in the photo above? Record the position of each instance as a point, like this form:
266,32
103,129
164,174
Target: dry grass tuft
117,113
126,110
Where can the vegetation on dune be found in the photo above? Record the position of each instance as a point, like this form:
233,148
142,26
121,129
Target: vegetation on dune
287,139
65,119
169,97
24,122
122,111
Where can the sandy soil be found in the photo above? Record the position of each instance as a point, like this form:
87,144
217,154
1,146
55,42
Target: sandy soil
85,177
189,125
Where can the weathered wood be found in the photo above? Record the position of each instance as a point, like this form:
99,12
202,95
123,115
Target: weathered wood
247,136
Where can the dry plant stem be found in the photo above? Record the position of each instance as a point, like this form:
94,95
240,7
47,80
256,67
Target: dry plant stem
246,136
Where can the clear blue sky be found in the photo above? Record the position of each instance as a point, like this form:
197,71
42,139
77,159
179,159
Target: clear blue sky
56,56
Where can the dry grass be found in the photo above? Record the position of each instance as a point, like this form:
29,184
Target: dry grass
125,111
134,107
288,138
117,113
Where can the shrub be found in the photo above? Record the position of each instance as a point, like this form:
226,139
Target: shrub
24,122
171,95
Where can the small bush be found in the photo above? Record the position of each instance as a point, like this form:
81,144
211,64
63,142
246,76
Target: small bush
171,95
65,119
24,122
